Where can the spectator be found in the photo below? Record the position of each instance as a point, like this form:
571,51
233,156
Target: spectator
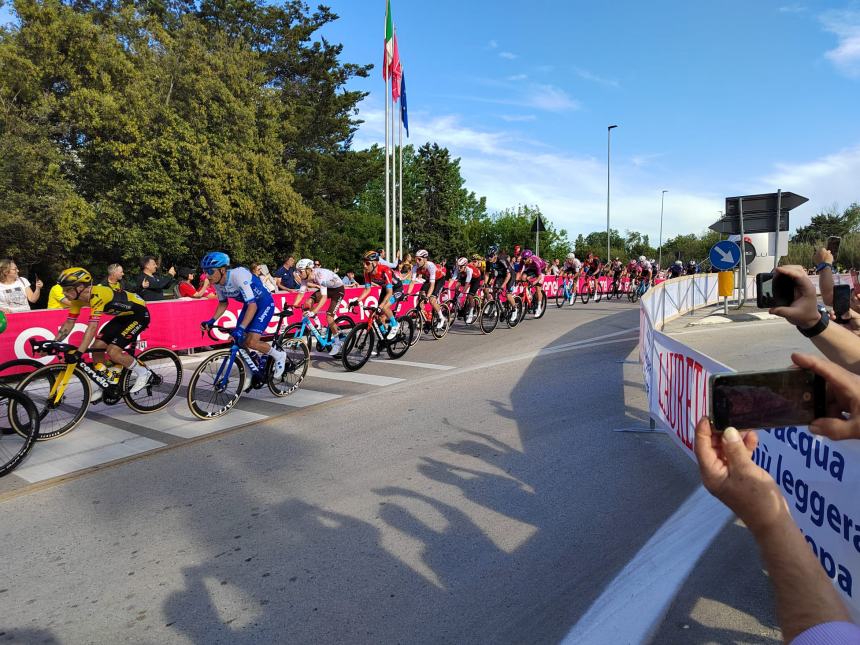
186,285
317,264
349,279
148,284
692,267
56,298
15,292
677,269
554,268
285,278
383,261
265,277
116,278
808,608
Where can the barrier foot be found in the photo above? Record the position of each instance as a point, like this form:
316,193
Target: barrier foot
652,427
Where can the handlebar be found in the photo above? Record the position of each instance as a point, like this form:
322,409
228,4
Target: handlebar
51,347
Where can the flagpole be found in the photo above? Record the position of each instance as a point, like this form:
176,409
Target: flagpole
387,177
393,252
400,181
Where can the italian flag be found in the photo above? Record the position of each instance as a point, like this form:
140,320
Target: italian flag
388,58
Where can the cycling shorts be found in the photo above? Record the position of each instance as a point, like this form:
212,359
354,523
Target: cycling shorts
534,274
474,283
334,295
265,311
438,285
123,330
499,279
395,296
569,271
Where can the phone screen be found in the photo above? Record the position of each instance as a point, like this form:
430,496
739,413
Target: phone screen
774,290
833,243
841,299
768,399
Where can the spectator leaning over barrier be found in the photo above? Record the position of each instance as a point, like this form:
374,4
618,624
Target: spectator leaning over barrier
808,608
383,261
836,343
265,278
116,278
285,278
15,291
150,286
554,267
187,288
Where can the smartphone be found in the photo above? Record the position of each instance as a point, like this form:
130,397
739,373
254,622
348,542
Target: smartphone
773,290
766,399
841,299
833,243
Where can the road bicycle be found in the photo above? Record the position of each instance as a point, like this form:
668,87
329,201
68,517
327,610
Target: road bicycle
11,373
485,311
62,392
426,319
536,309
566,292
310,327
219,381
14,447
510,315
371,335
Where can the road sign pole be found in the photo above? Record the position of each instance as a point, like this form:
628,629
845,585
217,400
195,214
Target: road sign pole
742,287
776,242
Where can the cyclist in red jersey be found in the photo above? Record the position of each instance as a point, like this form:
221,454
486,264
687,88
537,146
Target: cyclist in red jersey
390,288
468,274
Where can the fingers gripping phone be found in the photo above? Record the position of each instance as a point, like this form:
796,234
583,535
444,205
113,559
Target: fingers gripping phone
833,243
773,290
765,399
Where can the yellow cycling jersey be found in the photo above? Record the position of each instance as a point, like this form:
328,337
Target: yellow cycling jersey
105,300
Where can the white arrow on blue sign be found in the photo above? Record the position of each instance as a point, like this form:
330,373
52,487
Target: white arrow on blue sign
725,255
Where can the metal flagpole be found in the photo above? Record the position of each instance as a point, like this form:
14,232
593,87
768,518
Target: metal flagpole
387,176
400,183
393,183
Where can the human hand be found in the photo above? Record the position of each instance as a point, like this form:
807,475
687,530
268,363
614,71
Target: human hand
207,324
850,321
239,334
843,395
822,255
730,475
803,311
39,283
172,271
145,283
74,356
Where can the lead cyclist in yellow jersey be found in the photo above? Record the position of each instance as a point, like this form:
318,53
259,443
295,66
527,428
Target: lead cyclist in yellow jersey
131,317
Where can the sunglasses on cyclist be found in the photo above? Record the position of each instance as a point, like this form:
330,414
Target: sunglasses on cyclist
212,271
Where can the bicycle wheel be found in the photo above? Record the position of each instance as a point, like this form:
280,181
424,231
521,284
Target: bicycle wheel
561,294
540,306
11,373
357,347
516,314
164,383
585,294
403,340
206,400
598,290
14,447
298,358
439,331
489,317
418,324
56,418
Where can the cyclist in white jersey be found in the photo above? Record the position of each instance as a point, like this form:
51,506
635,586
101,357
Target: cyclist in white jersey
328,286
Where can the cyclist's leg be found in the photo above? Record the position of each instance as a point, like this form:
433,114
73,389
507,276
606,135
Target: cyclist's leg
118,334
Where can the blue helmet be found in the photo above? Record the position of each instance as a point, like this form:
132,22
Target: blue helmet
214,260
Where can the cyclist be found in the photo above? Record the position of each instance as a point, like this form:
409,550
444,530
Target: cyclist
390,288
572,267
258,307
130,314
533,268
434,281
645,270
327,285
692,267
616,268
676,270
468,273
500,274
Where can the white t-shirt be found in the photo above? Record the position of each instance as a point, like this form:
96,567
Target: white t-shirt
325,278
13,297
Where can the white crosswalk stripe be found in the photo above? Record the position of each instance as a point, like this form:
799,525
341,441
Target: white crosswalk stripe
353,377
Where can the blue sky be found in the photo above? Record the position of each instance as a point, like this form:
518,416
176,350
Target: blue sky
712,99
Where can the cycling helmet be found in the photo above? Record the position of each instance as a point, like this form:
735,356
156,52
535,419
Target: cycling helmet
692,263
371,256
517,248
678,263
304,263
214,260
461,262
74,276
571,256
527,254
492,250
641,258
476,257
422,253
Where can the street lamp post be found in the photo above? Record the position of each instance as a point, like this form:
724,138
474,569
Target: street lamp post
608,150
660,254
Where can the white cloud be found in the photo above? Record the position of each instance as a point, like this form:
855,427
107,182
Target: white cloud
517,77
508,55
792,8
846,26
492,44
551,98
594,78
516,118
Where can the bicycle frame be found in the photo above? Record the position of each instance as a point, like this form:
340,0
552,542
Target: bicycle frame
221,377
308,323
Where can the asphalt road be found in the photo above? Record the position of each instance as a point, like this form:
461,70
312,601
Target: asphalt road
486,503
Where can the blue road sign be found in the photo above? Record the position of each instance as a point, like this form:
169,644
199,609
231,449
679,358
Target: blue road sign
725,255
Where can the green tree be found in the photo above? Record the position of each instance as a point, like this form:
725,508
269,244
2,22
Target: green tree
830,222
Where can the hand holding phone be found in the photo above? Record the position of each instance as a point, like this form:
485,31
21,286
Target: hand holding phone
803,311
833,243
773,290
841,301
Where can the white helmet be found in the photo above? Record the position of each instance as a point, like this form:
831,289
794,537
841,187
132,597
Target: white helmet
571,256
422,253
304,263
462,262
641,258
678,263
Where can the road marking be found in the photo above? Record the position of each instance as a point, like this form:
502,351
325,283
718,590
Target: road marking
634,604
426,366
90,444
354,377
178,421
301,398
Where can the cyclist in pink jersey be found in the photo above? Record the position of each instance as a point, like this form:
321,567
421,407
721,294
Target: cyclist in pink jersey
533,268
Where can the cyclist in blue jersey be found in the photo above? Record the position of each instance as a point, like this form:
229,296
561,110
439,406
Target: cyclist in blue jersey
257,305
